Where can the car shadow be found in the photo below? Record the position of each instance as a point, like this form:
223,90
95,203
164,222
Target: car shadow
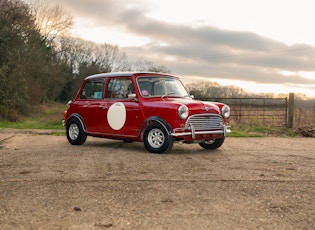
138,147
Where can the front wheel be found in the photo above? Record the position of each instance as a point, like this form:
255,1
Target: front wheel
75,132
212,144
157,139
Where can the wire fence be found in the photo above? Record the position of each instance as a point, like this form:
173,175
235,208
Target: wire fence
304,113
270,112
256,111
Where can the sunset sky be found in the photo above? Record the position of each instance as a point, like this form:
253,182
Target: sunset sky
261,46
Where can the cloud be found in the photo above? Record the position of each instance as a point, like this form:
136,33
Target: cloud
211,52
200,50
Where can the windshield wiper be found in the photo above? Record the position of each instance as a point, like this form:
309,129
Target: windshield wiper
171,93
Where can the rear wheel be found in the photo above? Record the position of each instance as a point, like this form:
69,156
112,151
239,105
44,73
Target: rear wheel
212,144
75,132
157,139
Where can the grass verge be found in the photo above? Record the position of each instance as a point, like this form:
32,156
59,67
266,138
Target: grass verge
45,117
260,131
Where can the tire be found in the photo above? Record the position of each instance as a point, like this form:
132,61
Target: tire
157,139
75,132
212,144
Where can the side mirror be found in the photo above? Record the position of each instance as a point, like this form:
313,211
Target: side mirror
192,96
132,96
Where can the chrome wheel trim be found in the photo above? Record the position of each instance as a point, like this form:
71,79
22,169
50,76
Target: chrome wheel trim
74,131
156,138
209,142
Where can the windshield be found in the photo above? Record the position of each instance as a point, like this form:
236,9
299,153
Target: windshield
161,86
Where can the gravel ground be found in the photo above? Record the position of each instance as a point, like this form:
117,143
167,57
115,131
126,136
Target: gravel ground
249,183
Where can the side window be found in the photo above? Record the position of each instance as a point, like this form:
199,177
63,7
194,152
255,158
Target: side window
93,89
119,88
145,88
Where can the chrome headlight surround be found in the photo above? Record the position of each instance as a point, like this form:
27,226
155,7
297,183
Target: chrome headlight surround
183,112
226,111
69,103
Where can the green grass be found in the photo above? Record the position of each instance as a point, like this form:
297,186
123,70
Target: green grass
260,131
45,117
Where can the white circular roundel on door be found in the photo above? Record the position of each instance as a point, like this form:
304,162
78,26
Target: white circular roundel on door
116,115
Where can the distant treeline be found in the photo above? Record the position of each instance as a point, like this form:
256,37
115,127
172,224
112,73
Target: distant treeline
206,89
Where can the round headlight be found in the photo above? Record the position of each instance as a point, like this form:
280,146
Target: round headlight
183,112
226,111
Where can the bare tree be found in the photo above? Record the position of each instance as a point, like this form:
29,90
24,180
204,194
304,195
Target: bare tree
206,89
86,58
53,21
144,65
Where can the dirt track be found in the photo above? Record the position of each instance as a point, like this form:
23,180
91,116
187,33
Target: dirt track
249,183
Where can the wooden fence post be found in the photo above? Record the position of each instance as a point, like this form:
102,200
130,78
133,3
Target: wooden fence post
291,110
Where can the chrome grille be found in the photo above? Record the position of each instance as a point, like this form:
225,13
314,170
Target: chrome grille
205,122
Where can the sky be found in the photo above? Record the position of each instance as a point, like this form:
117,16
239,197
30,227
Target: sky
261,46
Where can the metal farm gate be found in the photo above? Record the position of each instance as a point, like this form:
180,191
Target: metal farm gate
256,111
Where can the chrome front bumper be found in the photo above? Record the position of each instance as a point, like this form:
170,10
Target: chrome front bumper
193,132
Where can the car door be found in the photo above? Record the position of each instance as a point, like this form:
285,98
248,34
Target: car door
89,103
120,115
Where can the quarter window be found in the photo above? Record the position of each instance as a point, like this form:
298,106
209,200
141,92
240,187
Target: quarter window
93,89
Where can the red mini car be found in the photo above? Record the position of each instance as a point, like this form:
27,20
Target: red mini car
152,108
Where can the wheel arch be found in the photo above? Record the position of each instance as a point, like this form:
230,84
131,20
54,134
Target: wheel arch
152,119
79,118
